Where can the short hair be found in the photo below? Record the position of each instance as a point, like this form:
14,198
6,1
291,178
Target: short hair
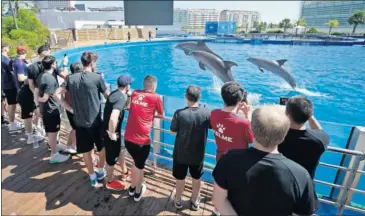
269,125
232,93
299,109
193,93
4,45
42,48
149,82
88,57
75,67
48,61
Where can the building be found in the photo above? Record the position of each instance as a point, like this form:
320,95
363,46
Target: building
241,17
80,7
318,13
198,17
54,4
181,16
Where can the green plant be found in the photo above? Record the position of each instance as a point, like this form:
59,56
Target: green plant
332,23
254,31
355,19
338,33
261,27
275,32
285,23
301,22
313,30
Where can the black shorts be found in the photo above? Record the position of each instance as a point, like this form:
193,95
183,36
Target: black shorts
11,96
26,102
179,171
52,122
87,137
70,117
139,153
112,150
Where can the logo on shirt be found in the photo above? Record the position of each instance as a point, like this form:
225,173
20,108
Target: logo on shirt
139,101
219,133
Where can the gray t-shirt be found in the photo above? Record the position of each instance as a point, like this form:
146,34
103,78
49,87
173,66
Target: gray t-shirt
47,84
191,125
85,88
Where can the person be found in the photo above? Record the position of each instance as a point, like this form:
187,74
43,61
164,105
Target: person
260,180
9,90
191,127
303,145
230,129
113,119
144,104
50,109
85,87
71,142
149,35
25,96
4,122
129,36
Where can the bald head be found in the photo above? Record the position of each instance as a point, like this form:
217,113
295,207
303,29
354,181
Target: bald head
269,125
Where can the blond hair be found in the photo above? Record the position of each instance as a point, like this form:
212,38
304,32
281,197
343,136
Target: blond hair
269,125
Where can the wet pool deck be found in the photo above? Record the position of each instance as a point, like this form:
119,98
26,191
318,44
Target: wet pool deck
32,186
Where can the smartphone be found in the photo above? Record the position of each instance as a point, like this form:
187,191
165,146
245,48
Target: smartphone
283,100
244,97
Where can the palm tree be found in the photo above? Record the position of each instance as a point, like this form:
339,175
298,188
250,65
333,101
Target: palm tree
300,22
332,23
12,12
356,18
285,23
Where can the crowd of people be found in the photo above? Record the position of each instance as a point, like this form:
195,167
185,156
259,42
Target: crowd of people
273,176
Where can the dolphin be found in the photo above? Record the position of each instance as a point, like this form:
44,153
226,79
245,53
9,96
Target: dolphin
188,47
220,68
276,67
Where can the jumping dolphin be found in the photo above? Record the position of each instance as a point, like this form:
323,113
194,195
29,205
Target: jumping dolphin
276,67
220,68
188,47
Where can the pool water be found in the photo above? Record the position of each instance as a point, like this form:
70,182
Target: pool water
332,77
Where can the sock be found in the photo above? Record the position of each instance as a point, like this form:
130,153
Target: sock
93,176
100,170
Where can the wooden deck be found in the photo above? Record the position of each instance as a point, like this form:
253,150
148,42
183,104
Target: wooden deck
32,186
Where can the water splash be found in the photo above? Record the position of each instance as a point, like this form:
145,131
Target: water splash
286,86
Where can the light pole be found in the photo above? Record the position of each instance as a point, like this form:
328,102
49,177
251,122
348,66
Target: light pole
12,13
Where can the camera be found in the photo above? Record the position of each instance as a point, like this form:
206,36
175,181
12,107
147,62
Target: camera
283,100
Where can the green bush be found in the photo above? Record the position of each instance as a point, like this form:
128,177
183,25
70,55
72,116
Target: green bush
275,32
313,30
338,33
254,31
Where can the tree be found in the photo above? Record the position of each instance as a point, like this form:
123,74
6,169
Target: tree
255,24
356,18
301,22
261,27
285,23
332,23
312,30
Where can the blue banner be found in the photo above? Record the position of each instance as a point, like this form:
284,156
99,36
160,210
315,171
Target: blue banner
211,27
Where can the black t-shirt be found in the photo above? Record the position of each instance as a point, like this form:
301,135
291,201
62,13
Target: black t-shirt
305,147
191,125
36,68
116,100
85,88
48,84
259,183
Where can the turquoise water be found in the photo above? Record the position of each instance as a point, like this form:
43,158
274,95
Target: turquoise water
333,77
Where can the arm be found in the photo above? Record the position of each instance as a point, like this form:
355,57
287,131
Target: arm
44,98
159,109
314,124
221,202
19,69
113,121
174,127
307,202
57,95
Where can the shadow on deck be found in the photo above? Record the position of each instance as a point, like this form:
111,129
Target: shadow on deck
32,186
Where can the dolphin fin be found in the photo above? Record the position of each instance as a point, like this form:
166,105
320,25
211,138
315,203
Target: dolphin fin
202,66
201,43
262,70
186,52
281,61
229,64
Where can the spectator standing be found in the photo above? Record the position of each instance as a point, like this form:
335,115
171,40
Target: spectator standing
259,180
144,104
85,87
191,127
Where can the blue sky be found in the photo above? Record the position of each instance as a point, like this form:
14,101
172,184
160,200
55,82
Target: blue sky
271,11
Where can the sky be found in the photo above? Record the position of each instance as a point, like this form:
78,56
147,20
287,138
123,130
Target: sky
271,11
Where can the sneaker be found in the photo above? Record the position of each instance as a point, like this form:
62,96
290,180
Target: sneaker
58,158
38,138
100,176
41,131
125,176
195,205
4,122
115,185
178,204
131,190
138,196
15,127
94,182
70,150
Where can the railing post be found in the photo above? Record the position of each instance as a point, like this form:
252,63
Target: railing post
156,138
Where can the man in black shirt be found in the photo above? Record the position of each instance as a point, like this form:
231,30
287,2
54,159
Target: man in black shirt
85,87
303,145
259,180
50,109
191,125
112,125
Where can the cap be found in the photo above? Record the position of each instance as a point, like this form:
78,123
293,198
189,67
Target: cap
20,50
42,49
124,80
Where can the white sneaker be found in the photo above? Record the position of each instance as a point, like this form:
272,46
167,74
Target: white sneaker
58,158
41,131
70,150
38,138
15,127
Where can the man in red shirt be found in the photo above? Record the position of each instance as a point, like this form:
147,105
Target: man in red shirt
144,104
231,131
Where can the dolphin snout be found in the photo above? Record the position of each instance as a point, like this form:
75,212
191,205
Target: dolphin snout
178,46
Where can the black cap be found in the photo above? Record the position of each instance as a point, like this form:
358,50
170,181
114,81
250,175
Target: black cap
124,80
42,49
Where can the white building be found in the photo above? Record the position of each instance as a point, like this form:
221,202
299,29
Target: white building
181,16
241,17
53,4
198,17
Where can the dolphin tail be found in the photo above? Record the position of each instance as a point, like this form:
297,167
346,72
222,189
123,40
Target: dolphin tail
202,66
229,64
262,70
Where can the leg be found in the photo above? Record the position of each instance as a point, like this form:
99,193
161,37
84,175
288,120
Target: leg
180,185
11,112
196,190
143,152
179,171
101,160
122,164
109,173
52,140
196,172
89,162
